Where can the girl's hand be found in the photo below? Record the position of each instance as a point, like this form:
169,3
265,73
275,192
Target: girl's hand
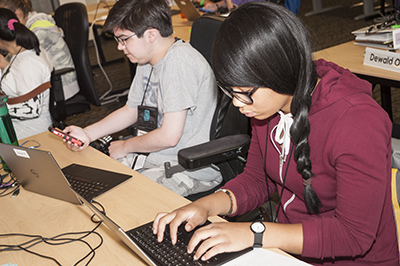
194,214
220,237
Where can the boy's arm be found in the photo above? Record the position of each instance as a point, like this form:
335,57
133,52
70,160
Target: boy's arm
166,136
114,122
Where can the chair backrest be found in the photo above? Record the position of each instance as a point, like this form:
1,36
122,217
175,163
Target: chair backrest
204,30
396,131
73,19
56,96
227,119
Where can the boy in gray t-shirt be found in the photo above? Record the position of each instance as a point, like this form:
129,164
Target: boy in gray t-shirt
172,78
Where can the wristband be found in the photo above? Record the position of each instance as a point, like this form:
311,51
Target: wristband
230,198
202,2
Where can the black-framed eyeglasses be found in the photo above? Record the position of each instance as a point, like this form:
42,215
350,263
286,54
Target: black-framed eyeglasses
242,96
122,41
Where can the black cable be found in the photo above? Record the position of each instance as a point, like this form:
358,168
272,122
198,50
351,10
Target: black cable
283,184
92,250
271,218
95,13
97,8
10,247
44,240
9,190
19,247
37,239
41,255
10,186
13,187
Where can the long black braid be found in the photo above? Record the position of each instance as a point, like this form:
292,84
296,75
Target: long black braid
264,45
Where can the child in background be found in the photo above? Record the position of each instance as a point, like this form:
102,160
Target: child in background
28,69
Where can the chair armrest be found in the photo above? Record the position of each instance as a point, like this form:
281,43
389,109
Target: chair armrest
56,83
213,152
62,71
57,98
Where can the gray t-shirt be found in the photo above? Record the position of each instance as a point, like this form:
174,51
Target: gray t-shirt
182,80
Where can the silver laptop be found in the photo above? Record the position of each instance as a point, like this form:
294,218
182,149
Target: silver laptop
188,9
118,231
38,171
143,243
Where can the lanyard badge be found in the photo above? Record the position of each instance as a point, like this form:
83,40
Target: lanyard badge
146,122
147,116
147,119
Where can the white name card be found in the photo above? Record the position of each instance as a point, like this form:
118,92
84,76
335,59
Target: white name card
382,59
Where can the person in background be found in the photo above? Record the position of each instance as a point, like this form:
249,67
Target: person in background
215,5
51,39
293,5
318,138
29,67
172,98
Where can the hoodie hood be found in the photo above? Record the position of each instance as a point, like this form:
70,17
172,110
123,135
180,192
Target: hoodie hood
335,84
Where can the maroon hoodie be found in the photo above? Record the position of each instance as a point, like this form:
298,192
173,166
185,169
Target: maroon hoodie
351,162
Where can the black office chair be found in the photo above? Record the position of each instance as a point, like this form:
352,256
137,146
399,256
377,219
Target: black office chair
72,18
396,131
229,132
204,30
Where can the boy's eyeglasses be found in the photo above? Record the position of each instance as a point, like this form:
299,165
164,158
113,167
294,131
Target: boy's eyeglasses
122,41
242,96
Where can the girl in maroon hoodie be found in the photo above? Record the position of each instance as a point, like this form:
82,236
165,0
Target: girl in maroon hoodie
318,137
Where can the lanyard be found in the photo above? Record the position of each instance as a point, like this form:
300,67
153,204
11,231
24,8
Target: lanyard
147,86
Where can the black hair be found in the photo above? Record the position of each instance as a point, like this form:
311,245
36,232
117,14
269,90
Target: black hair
262,44
12,30
139,15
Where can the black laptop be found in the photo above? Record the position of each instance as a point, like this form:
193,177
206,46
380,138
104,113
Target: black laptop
144,244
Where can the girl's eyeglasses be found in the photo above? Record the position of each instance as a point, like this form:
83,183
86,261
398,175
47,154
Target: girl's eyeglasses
242,96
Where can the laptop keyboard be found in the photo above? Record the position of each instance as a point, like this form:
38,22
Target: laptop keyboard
166,254
84,186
